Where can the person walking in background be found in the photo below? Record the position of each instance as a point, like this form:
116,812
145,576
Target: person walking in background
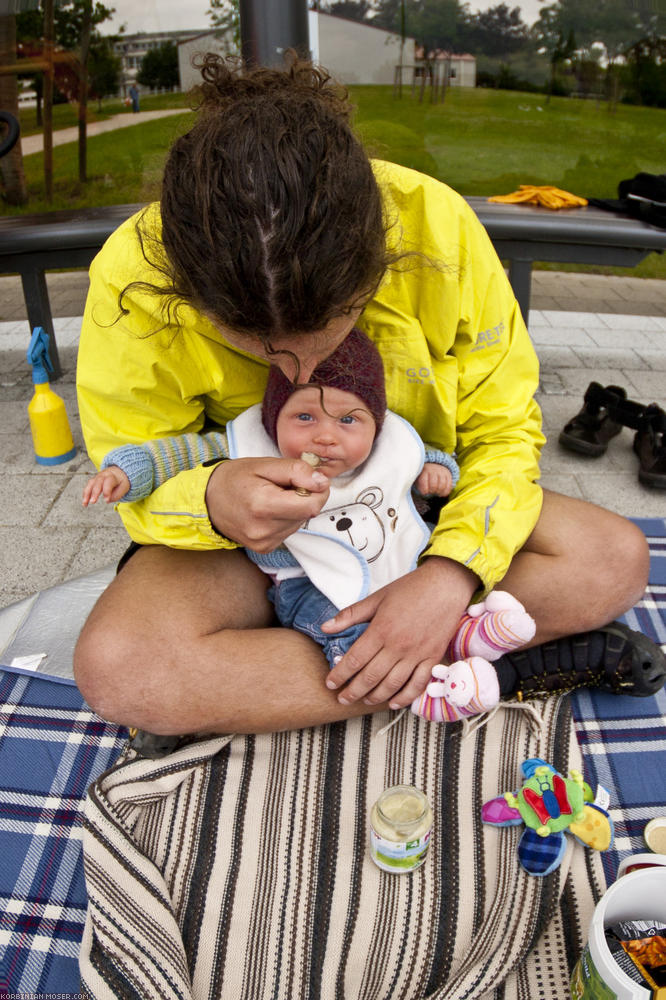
134,95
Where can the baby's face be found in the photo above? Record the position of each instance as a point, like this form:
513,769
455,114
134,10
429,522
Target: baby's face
340,432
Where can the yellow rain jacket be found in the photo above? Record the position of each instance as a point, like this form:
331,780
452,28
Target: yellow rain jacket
458,359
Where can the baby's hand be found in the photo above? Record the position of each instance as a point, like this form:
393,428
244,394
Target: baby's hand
111,483
434,480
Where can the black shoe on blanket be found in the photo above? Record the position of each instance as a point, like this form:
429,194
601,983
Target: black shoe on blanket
154,746
613,658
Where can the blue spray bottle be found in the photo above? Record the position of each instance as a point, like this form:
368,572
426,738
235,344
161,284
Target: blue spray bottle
51,433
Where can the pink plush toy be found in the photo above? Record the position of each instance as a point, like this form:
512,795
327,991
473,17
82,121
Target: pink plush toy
463,689
492,627
469,686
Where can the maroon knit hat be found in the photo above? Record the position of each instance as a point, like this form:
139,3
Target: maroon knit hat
355,366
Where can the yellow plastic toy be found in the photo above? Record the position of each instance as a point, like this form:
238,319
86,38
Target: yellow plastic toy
51,433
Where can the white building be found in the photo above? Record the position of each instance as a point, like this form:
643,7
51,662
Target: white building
351,51
457,70
355,52
132,49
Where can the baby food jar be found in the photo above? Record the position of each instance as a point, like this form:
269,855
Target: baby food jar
400,828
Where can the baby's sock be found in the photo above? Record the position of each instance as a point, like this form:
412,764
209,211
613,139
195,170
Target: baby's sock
492,628
466,688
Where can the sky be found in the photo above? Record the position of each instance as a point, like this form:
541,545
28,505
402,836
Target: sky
175,15
157,15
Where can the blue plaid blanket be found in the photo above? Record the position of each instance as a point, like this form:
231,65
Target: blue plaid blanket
52,747
623,739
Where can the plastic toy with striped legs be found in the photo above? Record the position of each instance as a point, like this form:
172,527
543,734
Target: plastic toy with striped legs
549,804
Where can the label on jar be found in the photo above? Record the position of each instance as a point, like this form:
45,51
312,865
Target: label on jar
398,856
586,981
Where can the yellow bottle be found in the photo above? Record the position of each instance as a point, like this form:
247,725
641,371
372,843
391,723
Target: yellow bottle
51,433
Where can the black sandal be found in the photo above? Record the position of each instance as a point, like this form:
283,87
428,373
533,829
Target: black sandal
650,446
592,428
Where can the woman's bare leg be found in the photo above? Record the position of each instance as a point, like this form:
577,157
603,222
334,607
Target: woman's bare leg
184,642
181,642
581,568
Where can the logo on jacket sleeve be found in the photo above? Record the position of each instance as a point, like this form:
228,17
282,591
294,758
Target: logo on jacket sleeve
422,376
489,337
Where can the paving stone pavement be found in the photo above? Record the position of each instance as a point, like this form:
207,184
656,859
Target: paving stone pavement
584,328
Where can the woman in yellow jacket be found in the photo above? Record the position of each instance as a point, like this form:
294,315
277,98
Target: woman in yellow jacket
273,238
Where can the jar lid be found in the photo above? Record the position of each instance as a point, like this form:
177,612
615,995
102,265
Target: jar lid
402,805
654,834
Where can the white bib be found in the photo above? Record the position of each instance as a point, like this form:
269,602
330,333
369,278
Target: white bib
369,533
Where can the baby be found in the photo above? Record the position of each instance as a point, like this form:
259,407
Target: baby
370,531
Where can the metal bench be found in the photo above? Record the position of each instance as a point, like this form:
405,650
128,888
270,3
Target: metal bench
523,234
30,245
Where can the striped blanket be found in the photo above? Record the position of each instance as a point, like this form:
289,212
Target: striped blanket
239,868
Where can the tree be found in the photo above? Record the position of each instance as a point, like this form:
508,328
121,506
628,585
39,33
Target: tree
11,165
225,17
646,72
104,68
613,25
560,48
159,68
435,24
353,10
497,31
70,21
388,14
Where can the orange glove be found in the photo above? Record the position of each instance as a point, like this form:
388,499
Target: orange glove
549,197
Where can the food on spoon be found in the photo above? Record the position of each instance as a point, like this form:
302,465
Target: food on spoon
314,461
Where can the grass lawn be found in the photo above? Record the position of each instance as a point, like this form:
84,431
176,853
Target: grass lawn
481,142
485,142
66,115
124,166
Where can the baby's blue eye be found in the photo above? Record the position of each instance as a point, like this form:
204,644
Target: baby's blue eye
347,419
304,416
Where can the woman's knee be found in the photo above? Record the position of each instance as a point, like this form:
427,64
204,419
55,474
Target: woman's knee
101,657
596,559
155,618
631,561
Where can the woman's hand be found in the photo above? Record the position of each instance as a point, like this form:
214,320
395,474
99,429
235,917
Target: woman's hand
411,621
253,501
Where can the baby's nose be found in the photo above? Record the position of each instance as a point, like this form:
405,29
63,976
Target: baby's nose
325,434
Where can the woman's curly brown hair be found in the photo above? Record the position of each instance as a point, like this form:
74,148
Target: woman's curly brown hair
272,220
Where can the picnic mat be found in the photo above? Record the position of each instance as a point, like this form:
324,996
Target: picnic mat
239,868
624,739
244,864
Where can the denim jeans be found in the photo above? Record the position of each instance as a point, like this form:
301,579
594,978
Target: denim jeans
298,604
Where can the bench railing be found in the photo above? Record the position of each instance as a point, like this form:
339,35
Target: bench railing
31,245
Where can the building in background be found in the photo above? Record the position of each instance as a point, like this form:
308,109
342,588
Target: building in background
351,51
355,52
132,49
460,70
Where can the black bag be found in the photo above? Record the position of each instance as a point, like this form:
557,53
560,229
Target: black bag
642,196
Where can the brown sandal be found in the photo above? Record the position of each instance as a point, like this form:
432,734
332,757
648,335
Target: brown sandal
592,428
650,446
